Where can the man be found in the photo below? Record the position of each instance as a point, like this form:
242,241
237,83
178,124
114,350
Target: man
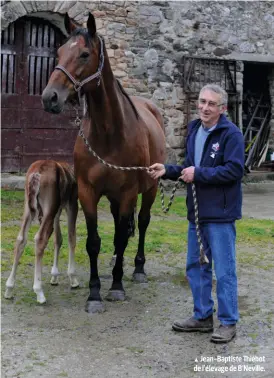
215,163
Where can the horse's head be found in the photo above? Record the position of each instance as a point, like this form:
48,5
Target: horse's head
80,63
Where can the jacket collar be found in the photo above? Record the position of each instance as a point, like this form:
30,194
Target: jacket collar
222,123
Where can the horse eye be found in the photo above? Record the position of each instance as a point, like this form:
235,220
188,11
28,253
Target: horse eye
84,55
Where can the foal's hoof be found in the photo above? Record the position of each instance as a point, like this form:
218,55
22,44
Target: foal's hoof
54,281
116,295
74,283
9,293
41,299
139,277
95,307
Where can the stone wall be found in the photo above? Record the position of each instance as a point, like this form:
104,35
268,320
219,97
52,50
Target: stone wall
147,40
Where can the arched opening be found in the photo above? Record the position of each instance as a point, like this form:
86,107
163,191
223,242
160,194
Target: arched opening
28,133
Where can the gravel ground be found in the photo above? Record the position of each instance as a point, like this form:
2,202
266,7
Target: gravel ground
134,338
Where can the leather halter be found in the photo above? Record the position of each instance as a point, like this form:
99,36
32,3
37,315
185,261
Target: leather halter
79,84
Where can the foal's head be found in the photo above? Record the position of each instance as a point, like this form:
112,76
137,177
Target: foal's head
80,59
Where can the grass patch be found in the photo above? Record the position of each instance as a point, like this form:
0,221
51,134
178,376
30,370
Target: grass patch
166,236
256,231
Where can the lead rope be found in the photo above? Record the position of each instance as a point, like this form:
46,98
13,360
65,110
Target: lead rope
203,257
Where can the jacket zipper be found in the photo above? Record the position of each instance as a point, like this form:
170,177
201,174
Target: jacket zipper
205,146
224,199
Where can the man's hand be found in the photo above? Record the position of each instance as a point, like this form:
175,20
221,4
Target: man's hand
156,170
188,174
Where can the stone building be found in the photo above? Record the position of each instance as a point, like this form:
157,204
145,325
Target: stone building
167,50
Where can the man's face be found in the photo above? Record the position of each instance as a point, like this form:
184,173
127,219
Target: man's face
210,107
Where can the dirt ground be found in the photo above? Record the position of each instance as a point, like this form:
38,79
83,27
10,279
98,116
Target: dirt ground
134,338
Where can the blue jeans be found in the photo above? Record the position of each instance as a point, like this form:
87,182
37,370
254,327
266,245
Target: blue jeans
219,241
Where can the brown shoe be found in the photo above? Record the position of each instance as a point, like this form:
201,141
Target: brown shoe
224,333
194,325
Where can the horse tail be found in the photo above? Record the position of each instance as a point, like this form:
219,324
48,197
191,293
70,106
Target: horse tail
131,223
33,191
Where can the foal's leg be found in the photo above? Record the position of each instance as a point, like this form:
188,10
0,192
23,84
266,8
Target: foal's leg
72,211
19,248
41,241
148,198
116,291
58,240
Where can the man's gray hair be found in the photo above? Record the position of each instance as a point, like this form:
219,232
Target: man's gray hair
217,89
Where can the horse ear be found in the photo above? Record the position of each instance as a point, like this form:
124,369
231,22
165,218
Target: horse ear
69,25
91,25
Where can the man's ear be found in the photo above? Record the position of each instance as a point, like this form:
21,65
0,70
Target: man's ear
91,25
223,109
69,25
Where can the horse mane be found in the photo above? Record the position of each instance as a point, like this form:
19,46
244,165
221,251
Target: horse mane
129,99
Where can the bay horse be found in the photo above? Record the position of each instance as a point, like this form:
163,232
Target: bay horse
122,130
50,186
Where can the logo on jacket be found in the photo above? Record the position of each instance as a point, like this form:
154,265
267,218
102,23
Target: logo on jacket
215,146
215,149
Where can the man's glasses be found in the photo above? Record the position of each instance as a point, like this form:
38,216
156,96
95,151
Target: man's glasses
211,104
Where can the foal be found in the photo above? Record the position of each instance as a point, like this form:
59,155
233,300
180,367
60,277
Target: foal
50,187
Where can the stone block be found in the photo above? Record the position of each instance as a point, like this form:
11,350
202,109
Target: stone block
120,12
10,12
160,94
175,141
122,66
151,58
110,53
116,26
247,47
64,6
119,73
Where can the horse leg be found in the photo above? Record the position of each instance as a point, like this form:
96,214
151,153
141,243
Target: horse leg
117,292
94,303
58,240
89,201
18,250
41,241
72,211
148,198
114,208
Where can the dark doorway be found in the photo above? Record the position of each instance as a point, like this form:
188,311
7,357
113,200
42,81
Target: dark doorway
256,111
28,51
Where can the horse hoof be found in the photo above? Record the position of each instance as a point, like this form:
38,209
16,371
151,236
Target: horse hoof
139,277
54,281
41,299
95,307
74,283
116,295
9,293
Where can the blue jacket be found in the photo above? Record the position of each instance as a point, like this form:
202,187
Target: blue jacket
218,179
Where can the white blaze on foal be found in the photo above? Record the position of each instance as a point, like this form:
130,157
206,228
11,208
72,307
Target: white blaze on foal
50,187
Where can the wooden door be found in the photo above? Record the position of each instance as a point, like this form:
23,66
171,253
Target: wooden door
29,133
